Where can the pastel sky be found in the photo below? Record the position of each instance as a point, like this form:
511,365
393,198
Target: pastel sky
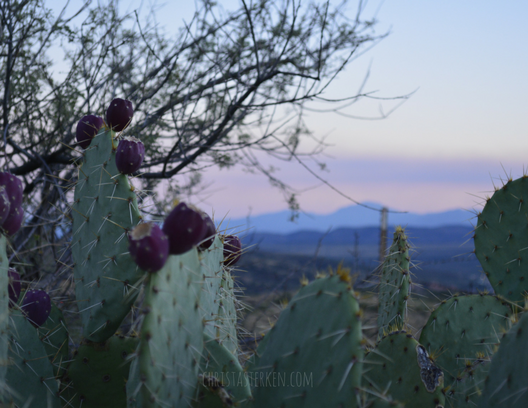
463,129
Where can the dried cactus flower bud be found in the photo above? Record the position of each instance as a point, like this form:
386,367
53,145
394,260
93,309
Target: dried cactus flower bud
149,247
36,306
185,227
119,114
87,128
130,154
14,220
232,249
14,286
210,233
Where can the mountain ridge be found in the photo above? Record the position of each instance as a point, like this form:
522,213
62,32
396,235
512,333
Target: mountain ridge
354,216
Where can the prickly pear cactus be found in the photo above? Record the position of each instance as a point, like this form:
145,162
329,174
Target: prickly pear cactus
500,239
222,381
461,329
467,389
98,374
171,336
395,284
4,314
401,366
507,379
313,354
54,335
218,301
104,210
30,377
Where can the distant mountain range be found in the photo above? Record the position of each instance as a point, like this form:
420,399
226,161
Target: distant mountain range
354,216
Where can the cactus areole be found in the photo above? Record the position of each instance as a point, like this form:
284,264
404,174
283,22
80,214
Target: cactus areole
119,114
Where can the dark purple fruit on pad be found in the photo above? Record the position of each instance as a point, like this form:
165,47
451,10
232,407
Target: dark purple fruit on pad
14,285
185,228
119,114
149,247
210,233
232,249
87,128
5,206
14,220
36,306
13,188
130,154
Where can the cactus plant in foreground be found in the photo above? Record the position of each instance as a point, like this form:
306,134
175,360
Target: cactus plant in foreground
394,285
187,345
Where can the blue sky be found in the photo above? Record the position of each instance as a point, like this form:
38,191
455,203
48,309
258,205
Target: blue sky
443,148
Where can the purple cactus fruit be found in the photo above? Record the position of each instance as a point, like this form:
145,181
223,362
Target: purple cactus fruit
130,154
13,188
210,233
119,114
5,205
149,247
87,128
14,220
232,249
185,227
36,306
14,285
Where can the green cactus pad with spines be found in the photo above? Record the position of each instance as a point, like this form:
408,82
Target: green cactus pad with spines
225,329
463,328
507,380
4,314
395,284
54,335
171,335
30,376
395,367
312,356
105,208
218,300
222,379
98,374
501,239
467,390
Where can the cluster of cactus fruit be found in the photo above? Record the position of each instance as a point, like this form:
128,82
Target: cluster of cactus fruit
173,284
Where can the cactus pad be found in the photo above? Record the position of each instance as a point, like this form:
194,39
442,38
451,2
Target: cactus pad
462,328
506,383
401,366
54,335
99,372
222,380
105,209
467,389
313,354
31,376
501,239
217,298
171,335
395,284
